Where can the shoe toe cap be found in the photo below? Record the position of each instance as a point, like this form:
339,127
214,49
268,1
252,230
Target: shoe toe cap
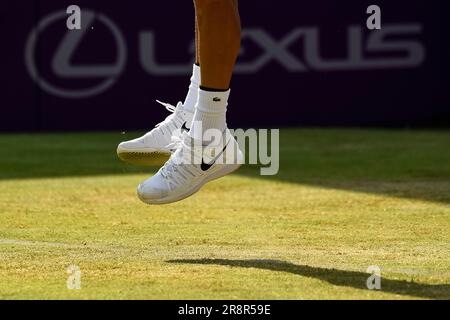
130,145
149,193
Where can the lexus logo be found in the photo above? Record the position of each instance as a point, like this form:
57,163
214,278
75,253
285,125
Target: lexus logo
61,60
396,46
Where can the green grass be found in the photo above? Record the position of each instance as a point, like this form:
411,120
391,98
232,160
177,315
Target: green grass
344,200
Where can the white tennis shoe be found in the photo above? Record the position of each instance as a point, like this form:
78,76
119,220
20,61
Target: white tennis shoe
154,147
190,167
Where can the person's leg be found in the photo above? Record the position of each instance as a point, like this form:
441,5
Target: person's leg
197,40
194,164
219,29
219,38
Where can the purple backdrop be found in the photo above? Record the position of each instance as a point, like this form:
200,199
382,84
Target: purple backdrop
302,63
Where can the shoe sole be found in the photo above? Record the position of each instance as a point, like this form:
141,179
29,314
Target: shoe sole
143,158
219,174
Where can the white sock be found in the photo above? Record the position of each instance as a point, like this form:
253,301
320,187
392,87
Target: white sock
192,95
211,111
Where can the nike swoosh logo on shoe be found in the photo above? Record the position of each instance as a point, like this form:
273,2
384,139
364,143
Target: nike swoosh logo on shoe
206,166
183,127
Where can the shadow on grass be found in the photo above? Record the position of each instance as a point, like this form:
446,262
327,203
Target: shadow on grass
335,277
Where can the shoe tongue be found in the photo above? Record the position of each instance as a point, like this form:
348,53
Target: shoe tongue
213,142
190,141
190,151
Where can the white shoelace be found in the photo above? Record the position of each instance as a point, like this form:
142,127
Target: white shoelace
176,142
172,121
175,170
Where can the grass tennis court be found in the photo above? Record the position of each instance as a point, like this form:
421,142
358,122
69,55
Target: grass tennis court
345,199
